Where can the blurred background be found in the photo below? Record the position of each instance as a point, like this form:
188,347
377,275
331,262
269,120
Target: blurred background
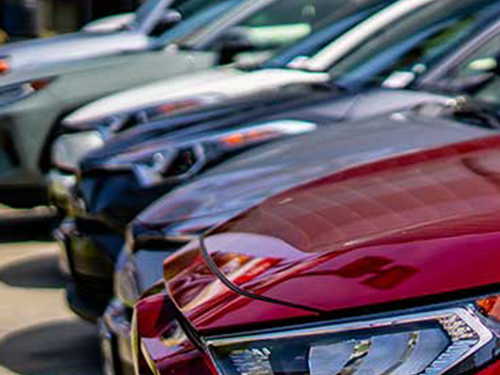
22,19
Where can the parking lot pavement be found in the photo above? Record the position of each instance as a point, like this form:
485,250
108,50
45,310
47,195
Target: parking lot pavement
38,333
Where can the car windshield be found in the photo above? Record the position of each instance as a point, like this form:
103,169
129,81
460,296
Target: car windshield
265,27
344,15
477,76
196,14
145,11
414,43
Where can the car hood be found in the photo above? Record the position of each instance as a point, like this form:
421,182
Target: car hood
109,24
33,54
208,87
394,232
240,183
301,103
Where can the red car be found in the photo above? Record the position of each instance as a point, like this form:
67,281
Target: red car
387,268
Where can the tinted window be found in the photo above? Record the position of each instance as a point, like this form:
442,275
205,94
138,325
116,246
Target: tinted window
284,22
145,10
416,41
480,73
197,14
346,14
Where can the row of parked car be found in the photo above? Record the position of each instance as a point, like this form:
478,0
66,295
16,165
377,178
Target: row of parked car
264,187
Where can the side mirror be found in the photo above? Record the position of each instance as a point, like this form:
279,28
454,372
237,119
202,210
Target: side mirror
234,42
170,18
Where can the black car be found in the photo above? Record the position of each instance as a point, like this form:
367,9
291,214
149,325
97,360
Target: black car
112,187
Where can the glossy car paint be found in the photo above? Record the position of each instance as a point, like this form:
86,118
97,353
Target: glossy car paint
238,184
382,236
210,86
106,205
326,50
389,233
103,206
322,108
248,179
156,316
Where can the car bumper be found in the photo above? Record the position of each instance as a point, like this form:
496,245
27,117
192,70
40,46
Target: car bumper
114,337
89,260
24,128
143,270
117,198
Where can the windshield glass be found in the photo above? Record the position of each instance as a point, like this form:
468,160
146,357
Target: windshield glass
145,11
344,15
414,42
195,15
479,75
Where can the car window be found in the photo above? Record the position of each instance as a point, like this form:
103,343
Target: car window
284,22
479,75
414,42
196,14
342,18
144,11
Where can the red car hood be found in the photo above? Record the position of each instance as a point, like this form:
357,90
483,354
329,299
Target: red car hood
419,225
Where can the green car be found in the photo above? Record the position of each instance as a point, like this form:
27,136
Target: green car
220,31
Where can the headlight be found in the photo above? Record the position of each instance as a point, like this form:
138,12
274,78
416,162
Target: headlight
171,165
161,162
448,341
69,149
153,167
12,93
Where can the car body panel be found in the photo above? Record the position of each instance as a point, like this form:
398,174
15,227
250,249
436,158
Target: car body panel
97,183
36,114
65,48
248,179
393,231
156,317
218,83
302,103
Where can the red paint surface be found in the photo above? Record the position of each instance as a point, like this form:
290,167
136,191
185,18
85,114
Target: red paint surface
419,225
